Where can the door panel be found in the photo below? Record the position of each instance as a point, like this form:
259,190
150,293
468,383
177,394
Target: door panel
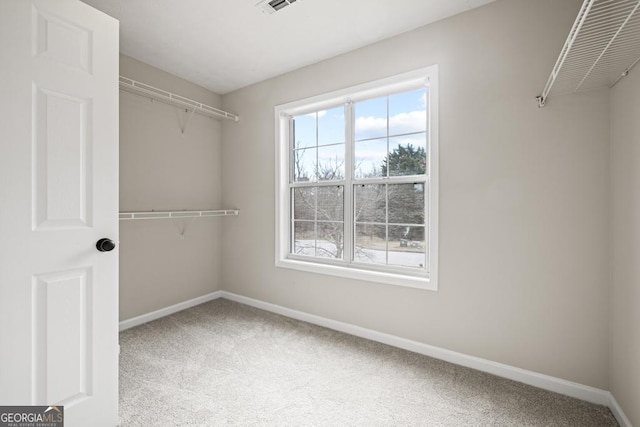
59,39
58,196
61,336
61,158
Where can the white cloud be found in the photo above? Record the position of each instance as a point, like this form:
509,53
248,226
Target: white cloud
414,121
371,124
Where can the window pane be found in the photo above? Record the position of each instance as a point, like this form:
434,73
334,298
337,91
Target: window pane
386,221
407,246
406,203
304,203
304,165
304,131
370,203
408,112
330,203
369,158
331,162
329,243
331,126
370,244
371,118
407,155
304,238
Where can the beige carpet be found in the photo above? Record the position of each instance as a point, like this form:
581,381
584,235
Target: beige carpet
223,363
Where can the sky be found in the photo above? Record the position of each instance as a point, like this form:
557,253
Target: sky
322,134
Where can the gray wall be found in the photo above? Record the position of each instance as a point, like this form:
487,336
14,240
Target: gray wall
524,221
162,169
625,172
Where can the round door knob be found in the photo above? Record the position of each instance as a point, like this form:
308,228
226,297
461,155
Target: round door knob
105,245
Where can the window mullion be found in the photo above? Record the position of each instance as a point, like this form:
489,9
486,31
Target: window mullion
386,191
291,148
291,156
409,179
349,227
386,215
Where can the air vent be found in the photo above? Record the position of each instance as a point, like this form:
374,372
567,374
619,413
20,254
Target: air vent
274,5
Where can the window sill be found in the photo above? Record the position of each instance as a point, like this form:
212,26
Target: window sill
418,282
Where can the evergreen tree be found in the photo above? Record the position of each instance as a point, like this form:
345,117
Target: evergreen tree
405,160
405,202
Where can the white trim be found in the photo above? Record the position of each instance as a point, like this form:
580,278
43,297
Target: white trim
434,178
546,382
425,76
568,388
617,411
359,92
386,277
154,315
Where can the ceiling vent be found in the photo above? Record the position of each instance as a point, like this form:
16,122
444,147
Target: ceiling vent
274,5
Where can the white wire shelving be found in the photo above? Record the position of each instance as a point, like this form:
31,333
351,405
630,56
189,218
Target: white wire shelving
178,214
602,48
148,91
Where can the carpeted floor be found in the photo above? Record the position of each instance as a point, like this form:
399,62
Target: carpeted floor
224,363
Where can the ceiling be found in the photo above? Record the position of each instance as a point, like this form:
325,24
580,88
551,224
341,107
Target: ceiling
224,45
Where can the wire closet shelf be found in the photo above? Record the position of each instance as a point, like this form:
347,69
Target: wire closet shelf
143,89
602,47
178,214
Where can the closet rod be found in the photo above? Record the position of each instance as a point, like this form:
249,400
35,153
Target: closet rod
178,214
143,89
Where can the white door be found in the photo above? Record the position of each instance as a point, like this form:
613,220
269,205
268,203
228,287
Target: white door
58,197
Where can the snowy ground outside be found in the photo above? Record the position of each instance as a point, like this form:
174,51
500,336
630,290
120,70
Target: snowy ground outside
400,256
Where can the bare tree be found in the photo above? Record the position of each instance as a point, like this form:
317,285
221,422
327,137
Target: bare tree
319,210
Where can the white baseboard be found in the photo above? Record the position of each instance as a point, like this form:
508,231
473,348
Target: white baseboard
139,320
618,412
568,388
546,382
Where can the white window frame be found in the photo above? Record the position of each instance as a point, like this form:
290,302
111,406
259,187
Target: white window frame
375,273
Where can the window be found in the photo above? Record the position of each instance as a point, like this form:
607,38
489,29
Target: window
357,182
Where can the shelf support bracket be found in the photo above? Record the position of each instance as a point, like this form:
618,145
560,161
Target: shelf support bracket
182,228
183,126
